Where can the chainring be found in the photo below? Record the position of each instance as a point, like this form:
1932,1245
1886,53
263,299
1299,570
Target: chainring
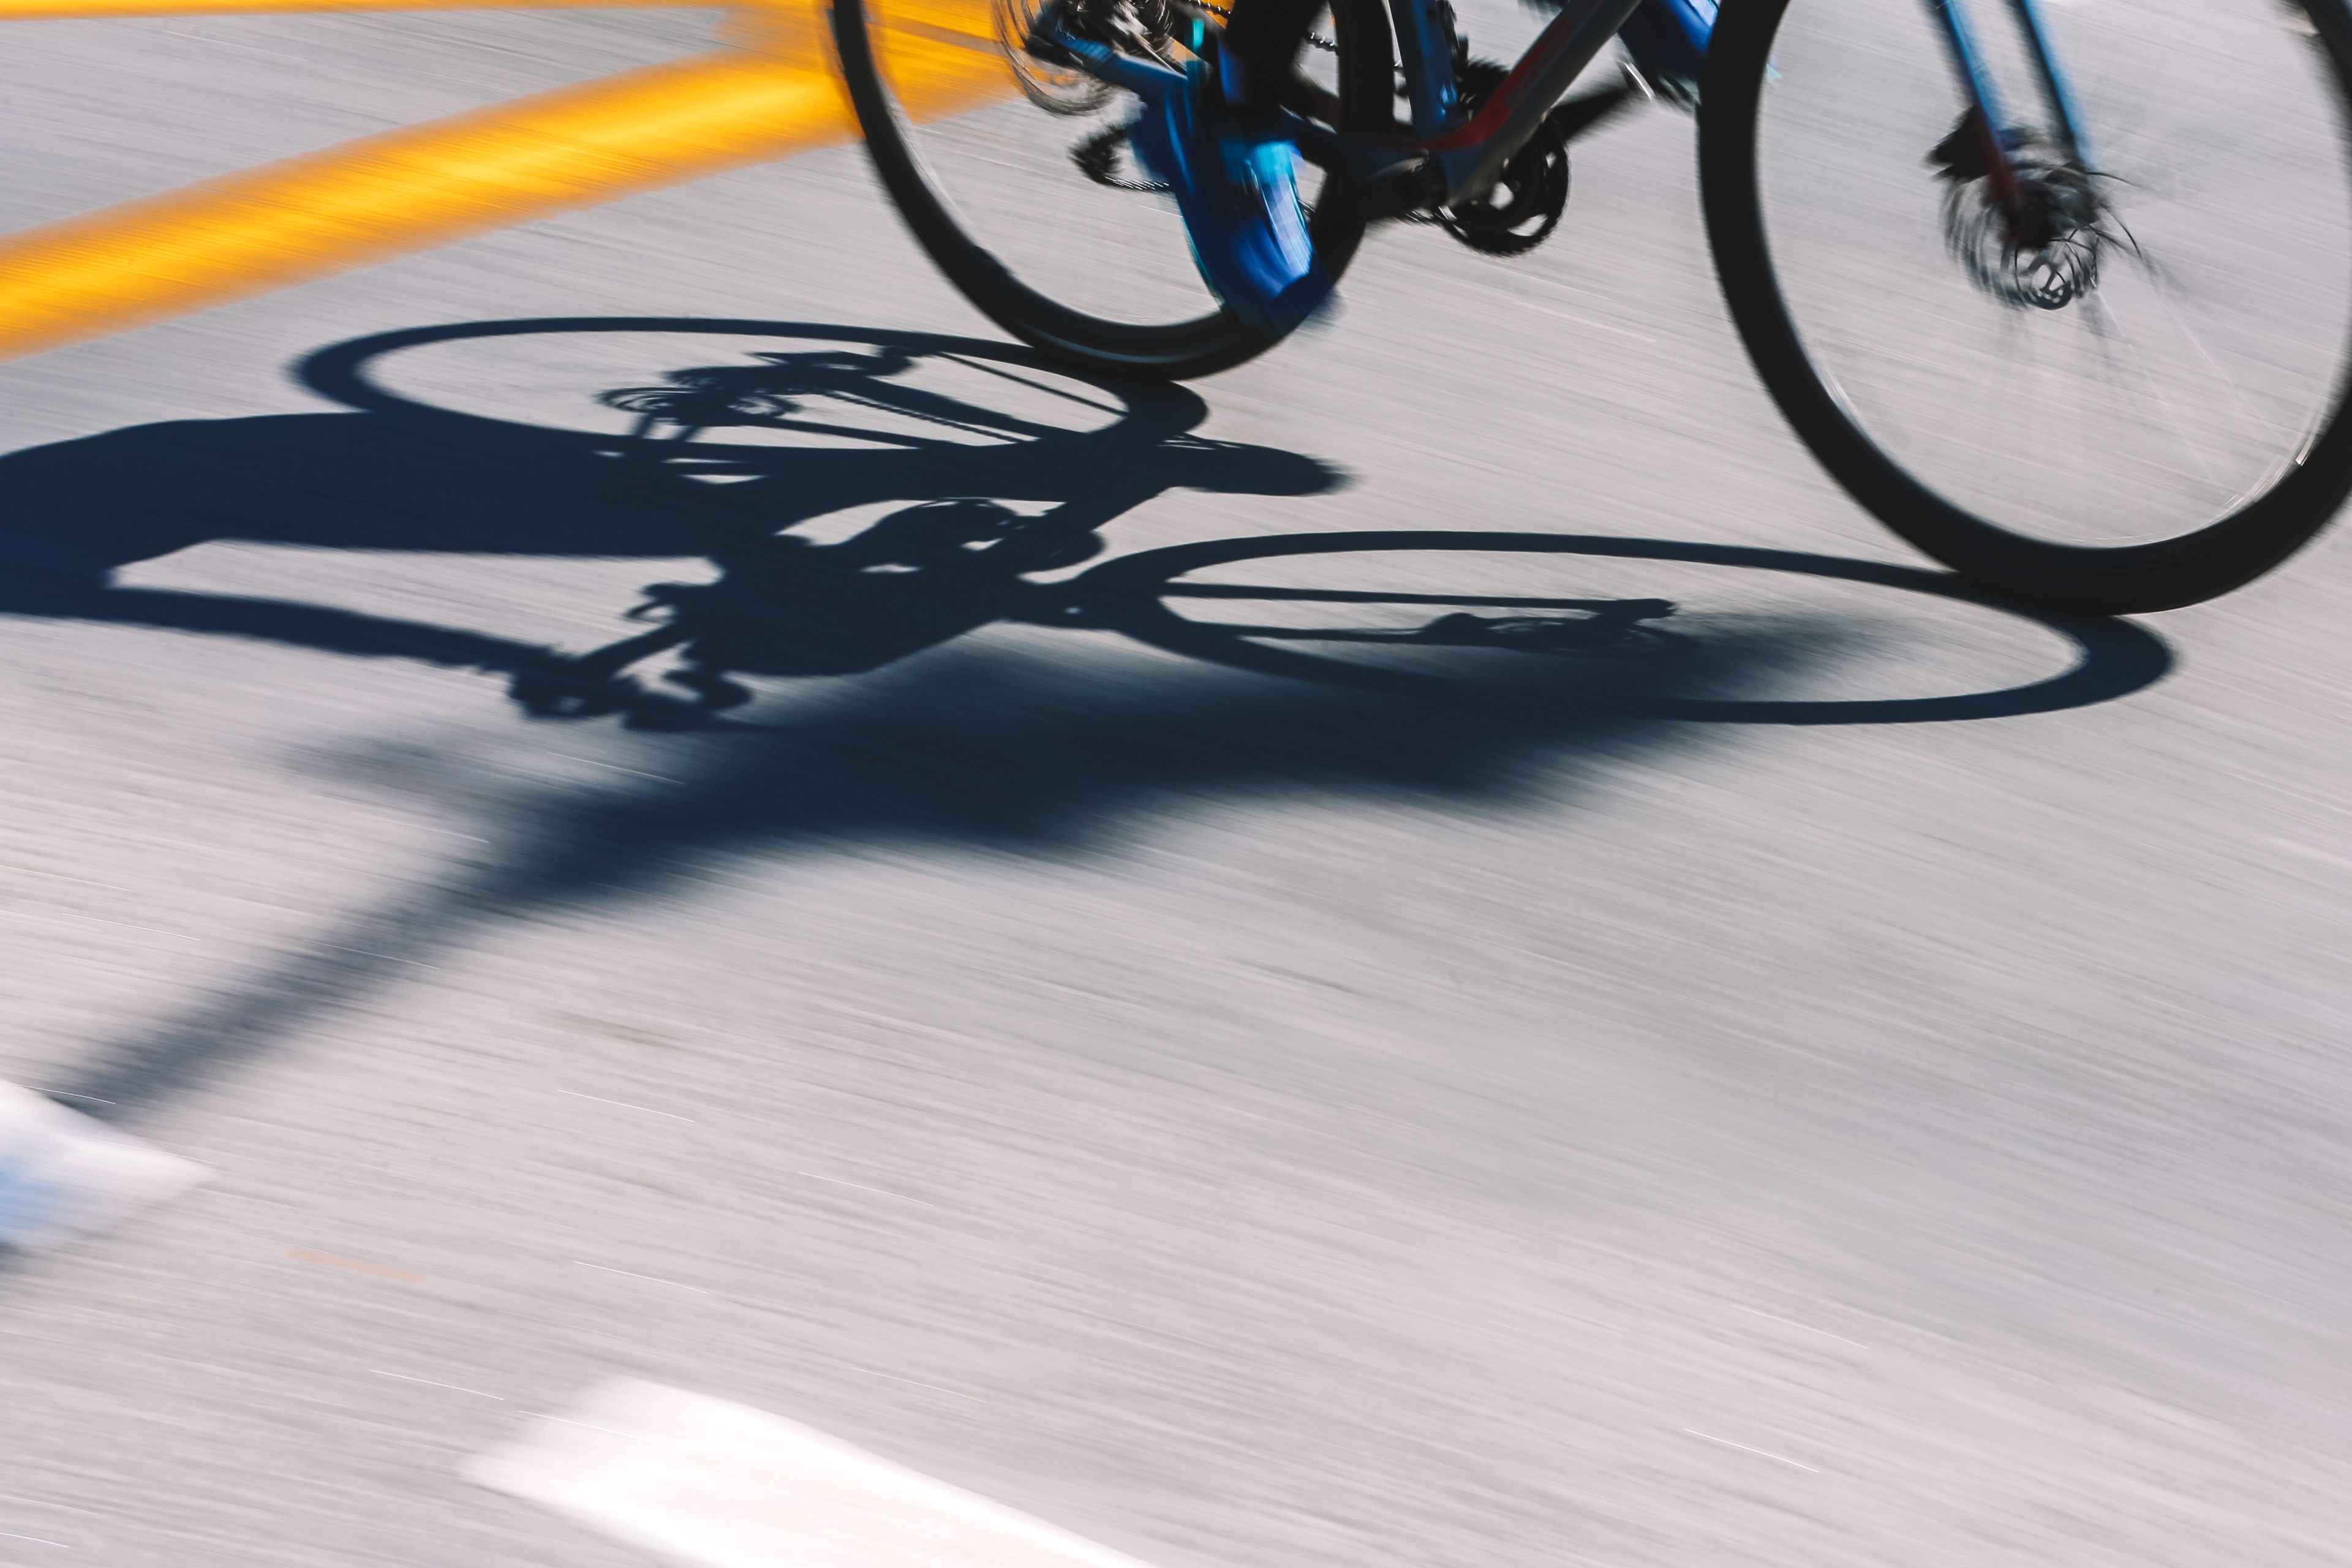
1524,207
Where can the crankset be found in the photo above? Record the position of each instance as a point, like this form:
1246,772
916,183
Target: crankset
1525,205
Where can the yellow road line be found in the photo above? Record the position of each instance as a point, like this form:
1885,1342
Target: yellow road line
52,10
270,227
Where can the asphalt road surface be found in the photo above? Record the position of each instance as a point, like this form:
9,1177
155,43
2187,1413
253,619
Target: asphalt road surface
1794,1108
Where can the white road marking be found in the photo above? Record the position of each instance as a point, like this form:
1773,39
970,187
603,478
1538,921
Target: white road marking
648,1278
62,1173
712,1484
1743,1447
11,1535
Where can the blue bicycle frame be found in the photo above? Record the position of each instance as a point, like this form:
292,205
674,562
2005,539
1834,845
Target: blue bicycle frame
1969,65
1668,41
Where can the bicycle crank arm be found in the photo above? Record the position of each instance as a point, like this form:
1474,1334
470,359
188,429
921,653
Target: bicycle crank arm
1389,182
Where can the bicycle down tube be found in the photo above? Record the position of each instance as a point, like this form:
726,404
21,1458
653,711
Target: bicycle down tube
1471,156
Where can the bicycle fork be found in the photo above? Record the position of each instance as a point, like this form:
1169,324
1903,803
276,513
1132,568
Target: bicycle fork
1993,123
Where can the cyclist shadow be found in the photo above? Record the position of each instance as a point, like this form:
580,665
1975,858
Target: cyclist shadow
988,469
986,497
979,744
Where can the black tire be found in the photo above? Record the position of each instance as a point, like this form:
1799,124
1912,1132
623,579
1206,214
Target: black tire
1165,352
2264,524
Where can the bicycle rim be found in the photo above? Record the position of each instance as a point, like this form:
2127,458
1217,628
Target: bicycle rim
2145,413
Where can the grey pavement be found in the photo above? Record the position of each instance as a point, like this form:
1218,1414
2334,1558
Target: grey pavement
1239,1120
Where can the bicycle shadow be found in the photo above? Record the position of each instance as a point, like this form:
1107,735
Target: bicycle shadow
404,477
938,742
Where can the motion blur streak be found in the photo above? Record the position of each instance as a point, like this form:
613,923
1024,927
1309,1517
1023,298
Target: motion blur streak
369,201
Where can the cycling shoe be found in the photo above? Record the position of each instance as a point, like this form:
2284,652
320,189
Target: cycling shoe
1234,177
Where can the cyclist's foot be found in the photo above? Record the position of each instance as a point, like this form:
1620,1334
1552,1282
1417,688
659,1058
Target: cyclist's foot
1235,177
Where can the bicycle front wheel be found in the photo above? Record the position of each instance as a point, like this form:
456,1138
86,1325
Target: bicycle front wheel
2121,386
1016,178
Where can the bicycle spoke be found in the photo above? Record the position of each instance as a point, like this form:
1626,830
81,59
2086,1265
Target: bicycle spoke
2132,358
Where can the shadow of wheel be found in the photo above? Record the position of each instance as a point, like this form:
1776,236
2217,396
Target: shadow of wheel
1133,596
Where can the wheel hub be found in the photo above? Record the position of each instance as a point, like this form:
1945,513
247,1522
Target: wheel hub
2040,246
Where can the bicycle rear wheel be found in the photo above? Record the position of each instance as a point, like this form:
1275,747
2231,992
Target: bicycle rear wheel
2140,405
1016,178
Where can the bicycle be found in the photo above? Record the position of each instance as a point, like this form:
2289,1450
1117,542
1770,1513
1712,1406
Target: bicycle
2093,354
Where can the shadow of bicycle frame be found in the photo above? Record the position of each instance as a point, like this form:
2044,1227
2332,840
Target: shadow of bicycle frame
971,744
